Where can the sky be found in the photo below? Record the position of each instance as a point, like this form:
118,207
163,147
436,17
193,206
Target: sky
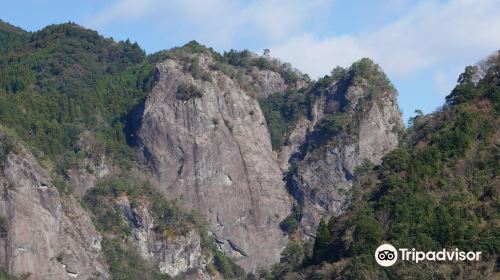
422,45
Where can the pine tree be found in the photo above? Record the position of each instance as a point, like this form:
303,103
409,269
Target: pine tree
322,236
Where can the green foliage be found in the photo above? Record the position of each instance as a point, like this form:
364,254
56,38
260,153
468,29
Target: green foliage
367,235
365,167
5,275
326,129
282,112
187,92
7,145
226,266
363,68
185,51
169,220
62,186
465,90
192,65
66,80
241,59
291,223
167,216
246,59
293,253
322,235
4,226
291,258
109,218
11,36
440,194
126,263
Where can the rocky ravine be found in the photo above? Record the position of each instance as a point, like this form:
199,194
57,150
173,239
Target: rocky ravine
214,153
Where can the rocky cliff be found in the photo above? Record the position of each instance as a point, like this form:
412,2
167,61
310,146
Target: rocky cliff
209,146
354,121
47,236
172,254
437,189
212,151
116,148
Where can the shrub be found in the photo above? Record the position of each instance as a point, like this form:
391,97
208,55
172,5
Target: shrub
291,223
126,263
167,215
62,186
4,226
5,275
365,167
6,146
187,92
282,111
226,266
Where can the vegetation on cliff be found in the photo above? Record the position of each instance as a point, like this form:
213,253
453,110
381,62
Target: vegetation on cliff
440,189
63,83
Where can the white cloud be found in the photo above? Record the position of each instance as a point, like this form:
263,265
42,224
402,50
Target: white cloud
219,22
445,80
429,34
317,57
122,10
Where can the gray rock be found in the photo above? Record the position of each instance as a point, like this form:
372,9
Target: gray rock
214,154
48,237
173,255
323,177
269,82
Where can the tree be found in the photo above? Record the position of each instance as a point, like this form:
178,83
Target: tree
322,236
468,76
266,52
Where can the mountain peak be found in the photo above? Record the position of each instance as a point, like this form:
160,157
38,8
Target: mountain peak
11,36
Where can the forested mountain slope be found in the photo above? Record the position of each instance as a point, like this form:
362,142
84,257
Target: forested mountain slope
439,189
192,164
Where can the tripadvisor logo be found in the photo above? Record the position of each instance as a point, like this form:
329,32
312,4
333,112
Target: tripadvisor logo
387,255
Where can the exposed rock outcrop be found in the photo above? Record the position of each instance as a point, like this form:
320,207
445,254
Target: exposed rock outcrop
213,152
321,177
48,237
202,135
269,82
173,255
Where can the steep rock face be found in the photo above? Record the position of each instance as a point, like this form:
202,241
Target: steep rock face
173,255
321,177
213,152
96,167
48,237
269,82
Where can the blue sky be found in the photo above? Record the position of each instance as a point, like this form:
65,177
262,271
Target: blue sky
422,45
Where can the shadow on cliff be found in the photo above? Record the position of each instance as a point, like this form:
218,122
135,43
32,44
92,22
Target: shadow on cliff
133,122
